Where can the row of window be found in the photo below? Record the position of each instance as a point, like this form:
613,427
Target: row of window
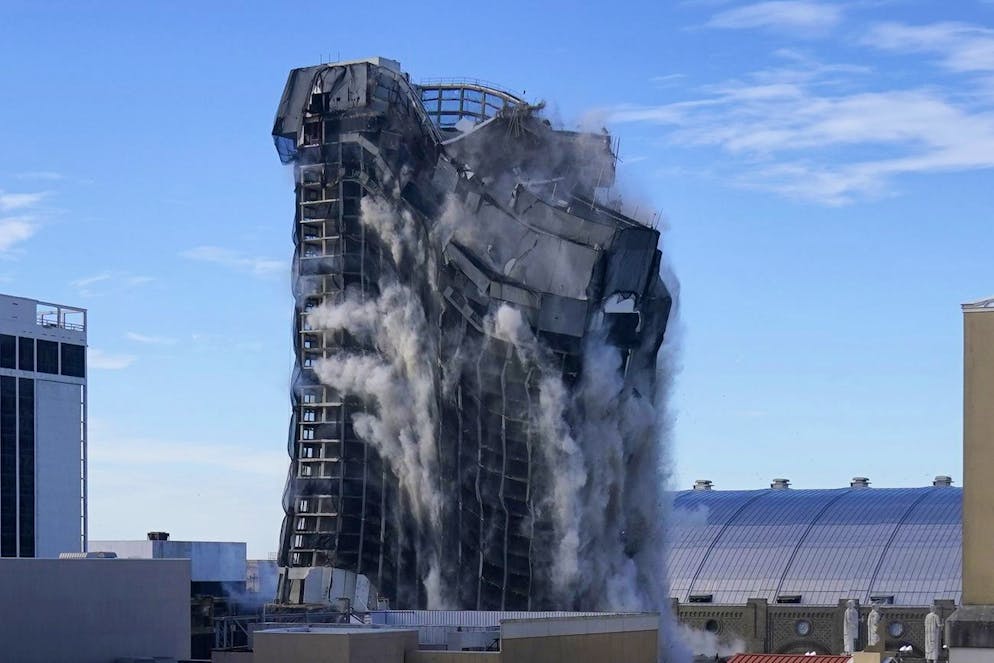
17,461
28,354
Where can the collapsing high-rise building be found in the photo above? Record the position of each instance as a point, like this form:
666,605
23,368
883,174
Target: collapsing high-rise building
476,335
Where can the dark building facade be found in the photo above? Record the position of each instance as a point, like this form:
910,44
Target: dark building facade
489,234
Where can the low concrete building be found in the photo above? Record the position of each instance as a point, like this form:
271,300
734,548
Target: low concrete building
93,610
587,638
217,578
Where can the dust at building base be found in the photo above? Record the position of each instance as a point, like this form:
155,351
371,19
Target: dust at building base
475,419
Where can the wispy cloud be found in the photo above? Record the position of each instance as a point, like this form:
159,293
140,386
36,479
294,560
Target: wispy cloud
960,46
15,201
98,359
797,130
795,16
103,282
43,175
87,281
150,340
234,260
14,230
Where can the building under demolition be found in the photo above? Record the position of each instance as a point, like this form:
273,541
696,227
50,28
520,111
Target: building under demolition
477,328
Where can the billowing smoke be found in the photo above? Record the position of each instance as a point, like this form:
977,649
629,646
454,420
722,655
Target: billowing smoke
396,375
493,331
607,500
710,645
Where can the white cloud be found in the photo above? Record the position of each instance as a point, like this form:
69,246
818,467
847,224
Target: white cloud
150,340
14,230
101,360
97,284
960,46
235,260
87,281
12,201
46,175
797,16
795,131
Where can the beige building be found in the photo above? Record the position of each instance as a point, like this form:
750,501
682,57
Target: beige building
633,638
970,630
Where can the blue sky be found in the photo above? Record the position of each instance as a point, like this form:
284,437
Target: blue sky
824,170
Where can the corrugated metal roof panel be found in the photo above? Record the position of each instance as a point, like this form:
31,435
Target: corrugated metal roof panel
787,658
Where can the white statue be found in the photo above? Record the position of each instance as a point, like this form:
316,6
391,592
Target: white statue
933,635
872,624
850,628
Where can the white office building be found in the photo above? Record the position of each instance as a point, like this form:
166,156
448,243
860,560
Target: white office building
42,428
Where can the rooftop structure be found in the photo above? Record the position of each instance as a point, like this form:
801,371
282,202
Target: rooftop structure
210,561
42,428
458,262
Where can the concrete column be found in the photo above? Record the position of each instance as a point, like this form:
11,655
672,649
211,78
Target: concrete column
978,454
970,630
758,641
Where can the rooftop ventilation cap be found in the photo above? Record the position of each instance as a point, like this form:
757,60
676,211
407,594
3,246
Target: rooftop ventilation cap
703,484
942,481
859,482
780,484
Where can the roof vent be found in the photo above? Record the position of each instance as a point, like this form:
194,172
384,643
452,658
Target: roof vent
780,484
703,484
859,482
158,536
943,481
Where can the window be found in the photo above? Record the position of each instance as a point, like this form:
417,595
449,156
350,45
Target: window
789,598
802,627
701,598
73,360
8,466
48,357
306,470
298,541
8,350
310,398
896,629
302,506
307,433
26,354
310,415
26,456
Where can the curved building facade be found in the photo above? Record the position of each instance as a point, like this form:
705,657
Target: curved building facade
815,547
772,569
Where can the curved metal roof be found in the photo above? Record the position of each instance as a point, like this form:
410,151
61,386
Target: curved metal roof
824,545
